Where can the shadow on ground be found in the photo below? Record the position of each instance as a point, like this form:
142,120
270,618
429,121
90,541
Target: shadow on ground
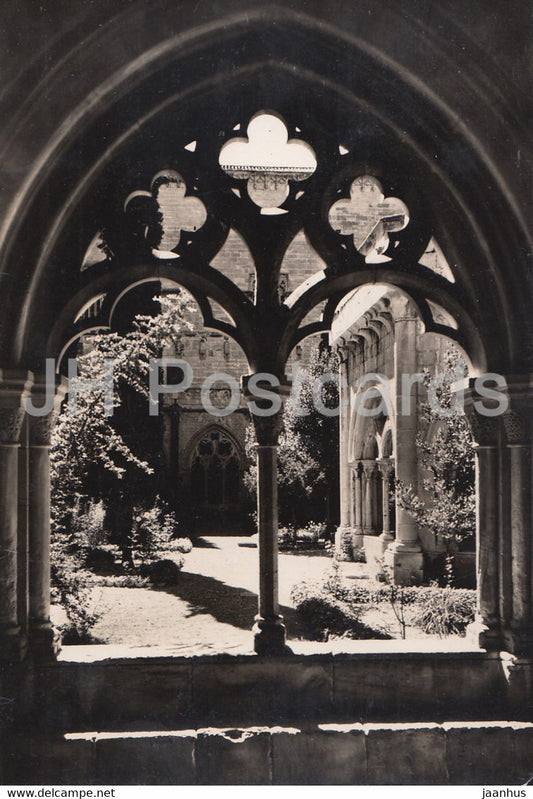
203,543
226,603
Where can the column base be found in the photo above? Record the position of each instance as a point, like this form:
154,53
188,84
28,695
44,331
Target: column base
358,542
518,642
13,645
404,563
375,547
518,673
44,642
269,637
344,543
485,637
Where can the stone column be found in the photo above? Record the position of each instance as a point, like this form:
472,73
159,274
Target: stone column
404,556
369,468
43,640
14,386
385,467
344,533
269,629
358,506
518,431
485,630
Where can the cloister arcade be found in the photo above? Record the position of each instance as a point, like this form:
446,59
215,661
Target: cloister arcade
158,94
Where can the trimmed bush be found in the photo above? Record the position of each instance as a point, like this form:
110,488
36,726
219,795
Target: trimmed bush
165,572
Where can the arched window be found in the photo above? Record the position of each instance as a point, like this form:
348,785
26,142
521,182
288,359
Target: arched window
216,471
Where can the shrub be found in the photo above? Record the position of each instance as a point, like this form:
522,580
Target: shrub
437,611
315,530
286,537
309,537
88,521
445,611
154,531
325,611
165,572
100,560
70,587
330,606
345,550
121,581
183,545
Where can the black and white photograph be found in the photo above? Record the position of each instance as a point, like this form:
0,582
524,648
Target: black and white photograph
266,395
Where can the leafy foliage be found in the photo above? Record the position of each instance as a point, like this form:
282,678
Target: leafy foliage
446,611
323,607
309,537
447,506
93,458
328,606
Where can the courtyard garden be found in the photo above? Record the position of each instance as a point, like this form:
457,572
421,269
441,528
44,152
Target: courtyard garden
208,599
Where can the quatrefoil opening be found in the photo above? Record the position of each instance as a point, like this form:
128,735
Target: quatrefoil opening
177,211
267,160
368,216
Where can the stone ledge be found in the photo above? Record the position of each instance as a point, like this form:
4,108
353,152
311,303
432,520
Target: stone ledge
164,692
457,753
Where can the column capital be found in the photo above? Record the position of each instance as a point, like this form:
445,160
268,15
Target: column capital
369,468
267,427
14,386
385,466
343,351
485,429
518,419
41,426
357,468
517,426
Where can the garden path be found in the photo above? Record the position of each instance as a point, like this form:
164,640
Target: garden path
214,603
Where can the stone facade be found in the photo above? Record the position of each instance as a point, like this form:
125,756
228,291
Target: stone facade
382,338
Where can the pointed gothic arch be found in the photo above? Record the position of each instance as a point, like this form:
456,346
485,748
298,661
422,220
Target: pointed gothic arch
391,122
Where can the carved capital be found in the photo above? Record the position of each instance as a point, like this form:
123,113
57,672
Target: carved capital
485,429
517,426
385,466
517,420
40,428
357,470
10,425
370,469
14,387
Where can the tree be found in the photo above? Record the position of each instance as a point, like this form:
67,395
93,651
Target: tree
95,456
308,453
447,507
93,453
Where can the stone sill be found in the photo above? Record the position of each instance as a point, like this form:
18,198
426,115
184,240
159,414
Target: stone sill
421,648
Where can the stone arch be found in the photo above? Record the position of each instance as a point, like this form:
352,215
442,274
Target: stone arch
423,140
303,27
387,446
